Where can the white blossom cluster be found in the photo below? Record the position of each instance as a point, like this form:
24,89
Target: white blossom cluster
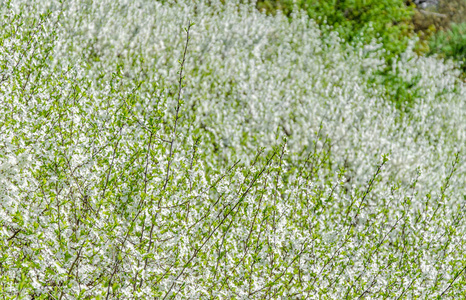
279,164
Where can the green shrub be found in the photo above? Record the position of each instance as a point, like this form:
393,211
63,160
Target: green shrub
451,44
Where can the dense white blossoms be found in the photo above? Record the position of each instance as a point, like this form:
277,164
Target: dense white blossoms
262,176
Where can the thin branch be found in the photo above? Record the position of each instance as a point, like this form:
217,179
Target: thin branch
178,105
431,13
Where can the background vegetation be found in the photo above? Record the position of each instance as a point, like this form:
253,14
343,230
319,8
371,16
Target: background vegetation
387,22
392,23
451,44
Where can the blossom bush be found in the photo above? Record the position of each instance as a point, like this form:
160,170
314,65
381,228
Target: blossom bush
245,156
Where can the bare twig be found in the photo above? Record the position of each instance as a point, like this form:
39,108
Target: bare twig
431,13
178,105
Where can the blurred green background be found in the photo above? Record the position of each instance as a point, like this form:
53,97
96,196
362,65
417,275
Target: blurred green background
440,25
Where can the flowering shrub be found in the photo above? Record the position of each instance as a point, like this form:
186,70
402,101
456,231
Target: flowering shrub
246,157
